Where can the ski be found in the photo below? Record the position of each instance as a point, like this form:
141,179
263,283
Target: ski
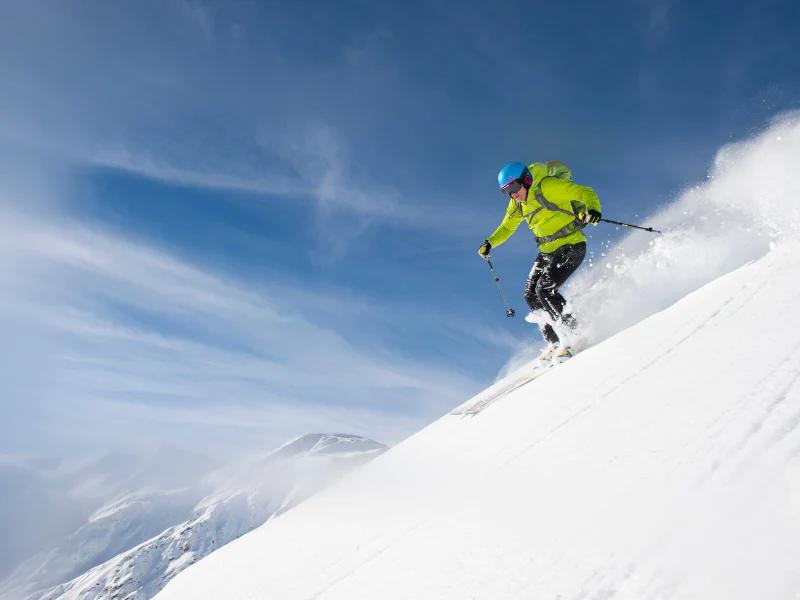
495,393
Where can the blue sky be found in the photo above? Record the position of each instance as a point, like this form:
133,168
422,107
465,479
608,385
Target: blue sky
228,223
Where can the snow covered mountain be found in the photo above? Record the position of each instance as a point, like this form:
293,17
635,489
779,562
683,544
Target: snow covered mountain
146,538
88,512
661,462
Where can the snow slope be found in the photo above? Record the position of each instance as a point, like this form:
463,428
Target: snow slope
664,462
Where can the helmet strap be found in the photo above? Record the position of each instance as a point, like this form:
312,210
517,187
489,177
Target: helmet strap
527,180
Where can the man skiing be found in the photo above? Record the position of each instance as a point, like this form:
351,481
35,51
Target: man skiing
556,211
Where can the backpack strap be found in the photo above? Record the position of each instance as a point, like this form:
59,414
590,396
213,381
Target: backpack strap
544,203
530,215
568,229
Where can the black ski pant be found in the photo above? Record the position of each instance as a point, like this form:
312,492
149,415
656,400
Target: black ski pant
549,272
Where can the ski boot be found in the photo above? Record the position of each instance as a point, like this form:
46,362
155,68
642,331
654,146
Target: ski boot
562,353
554,354
547,355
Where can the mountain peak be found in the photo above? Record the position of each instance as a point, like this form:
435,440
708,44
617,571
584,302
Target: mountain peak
326,443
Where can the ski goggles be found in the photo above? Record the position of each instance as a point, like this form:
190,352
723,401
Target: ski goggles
512,187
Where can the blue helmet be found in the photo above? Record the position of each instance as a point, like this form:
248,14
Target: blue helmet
511,172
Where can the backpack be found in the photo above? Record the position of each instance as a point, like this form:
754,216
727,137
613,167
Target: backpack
556,168
553,168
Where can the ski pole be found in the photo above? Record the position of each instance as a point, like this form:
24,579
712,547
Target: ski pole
583,224
509,311
650,229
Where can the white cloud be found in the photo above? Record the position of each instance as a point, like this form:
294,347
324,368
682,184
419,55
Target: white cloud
188,112
128,325
138,163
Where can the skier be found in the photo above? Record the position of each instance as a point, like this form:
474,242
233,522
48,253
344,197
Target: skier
556,211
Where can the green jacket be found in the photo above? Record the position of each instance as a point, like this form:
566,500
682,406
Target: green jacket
544,221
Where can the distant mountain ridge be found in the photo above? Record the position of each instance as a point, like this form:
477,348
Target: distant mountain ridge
50,508
132,546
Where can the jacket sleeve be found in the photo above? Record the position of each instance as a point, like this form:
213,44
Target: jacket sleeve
508,226
570,196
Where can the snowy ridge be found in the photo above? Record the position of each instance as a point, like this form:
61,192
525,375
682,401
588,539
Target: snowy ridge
319,444
117,502
663,462
243,499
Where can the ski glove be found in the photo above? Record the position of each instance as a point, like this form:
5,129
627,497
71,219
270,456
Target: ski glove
484,250
591,216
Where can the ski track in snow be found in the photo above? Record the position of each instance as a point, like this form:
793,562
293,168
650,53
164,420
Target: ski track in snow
704,322
372,556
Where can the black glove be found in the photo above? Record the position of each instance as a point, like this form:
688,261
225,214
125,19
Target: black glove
591,216
484,250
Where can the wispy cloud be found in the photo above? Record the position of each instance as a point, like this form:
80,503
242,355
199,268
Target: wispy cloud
206,104
140,164
320,172
657,22
129,325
